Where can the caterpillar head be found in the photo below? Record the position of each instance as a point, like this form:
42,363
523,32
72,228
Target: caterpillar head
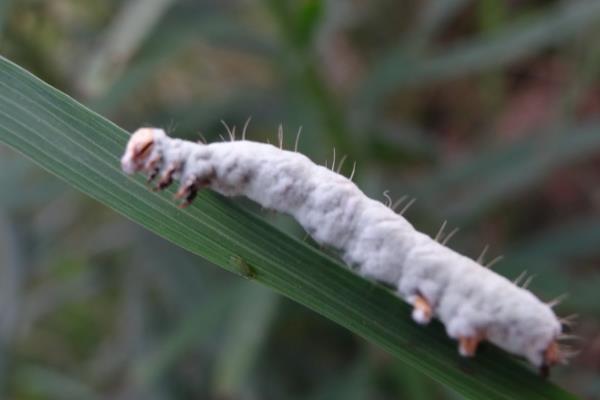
139,148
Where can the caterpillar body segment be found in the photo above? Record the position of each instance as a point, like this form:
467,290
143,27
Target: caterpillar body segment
473,302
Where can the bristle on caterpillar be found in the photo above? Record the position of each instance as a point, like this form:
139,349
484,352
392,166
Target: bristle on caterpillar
473,302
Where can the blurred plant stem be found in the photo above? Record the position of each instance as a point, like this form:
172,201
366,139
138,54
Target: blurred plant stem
513,42
4,11
352,384
247,330
193,330
431,20
48,383
129,29
300,66
463,191
587,71
11,284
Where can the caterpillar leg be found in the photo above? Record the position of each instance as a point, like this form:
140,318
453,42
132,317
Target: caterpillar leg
151,175
551,357
188,193
467,345
422,311
167,177
153,168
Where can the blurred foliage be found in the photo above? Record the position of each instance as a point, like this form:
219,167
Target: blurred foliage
485,111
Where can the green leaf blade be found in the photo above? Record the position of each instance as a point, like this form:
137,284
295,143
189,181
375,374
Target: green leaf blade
82,148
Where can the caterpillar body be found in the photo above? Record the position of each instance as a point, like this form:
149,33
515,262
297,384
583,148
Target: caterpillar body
473,302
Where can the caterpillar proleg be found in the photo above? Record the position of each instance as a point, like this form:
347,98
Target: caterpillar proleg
473,302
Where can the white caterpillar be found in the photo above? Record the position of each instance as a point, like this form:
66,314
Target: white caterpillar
473,302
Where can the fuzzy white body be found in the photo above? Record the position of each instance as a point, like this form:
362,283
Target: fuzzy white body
468,298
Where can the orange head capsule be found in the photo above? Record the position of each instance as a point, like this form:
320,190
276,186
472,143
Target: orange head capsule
139,149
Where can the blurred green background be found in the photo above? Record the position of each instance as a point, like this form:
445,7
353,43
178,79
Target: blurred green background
484,111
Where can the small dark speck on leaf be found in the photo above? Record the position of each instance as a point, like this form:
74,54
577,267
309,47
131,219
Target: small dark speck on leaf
243,267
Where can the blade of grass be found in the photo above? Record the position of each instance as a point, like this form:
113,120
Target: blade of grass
548,253
490,176
4,10
41,382
123,37
174,35
247,329
83,149
522,38
202,114
578,238
193,330
353,384
431,19
12,274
